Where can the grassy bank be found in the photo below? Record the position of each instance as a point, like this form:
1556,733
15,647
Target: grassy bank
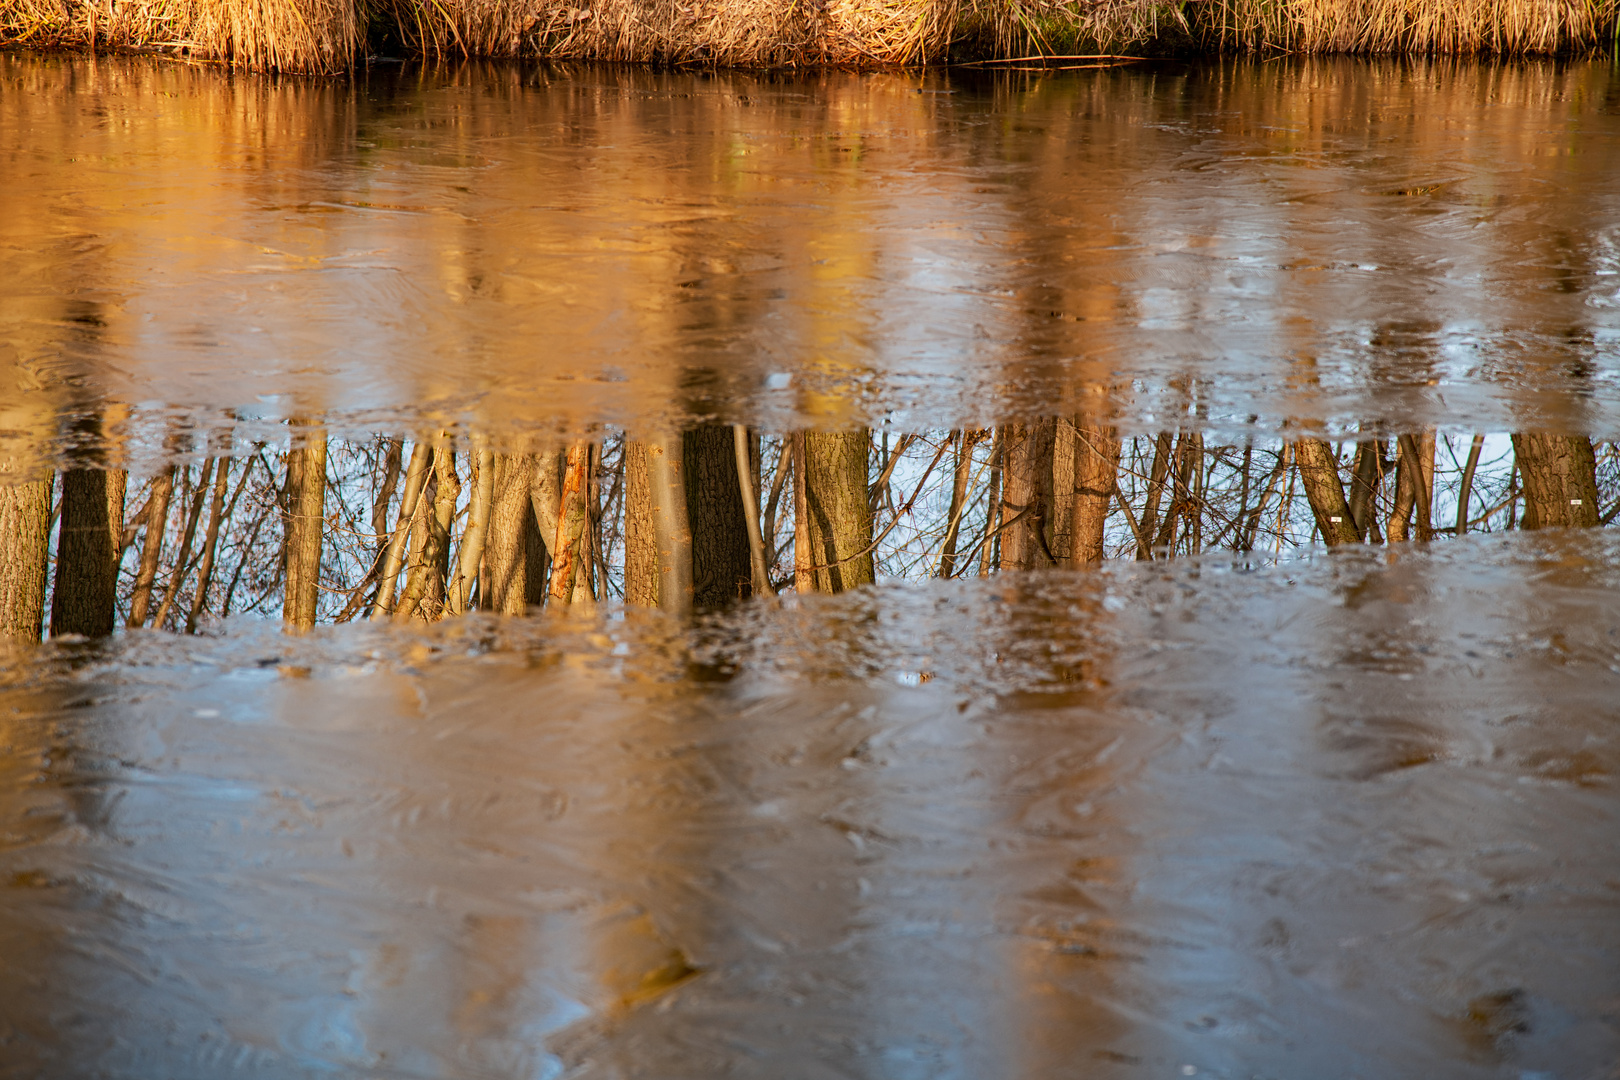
330,35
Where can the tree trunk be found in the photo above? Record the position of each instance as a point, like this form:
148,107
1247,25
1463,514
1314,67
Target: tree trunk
1466,488
1559,473
1155,493
416,477
1096,468
205,568
471,556
1319,473
157,522
88,541
1365,475
567,548
306,516
747,465
640,536
721,570
1414,486
963,474
25,542
1026,494
512,533
671,524
839,516
992,513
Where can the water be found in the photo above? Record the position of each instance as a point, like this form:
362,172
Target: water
1348,815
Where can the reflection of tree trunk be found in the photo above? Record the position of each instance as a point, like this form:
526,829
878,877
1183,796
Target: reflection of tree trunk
205,569
1188,457
839,514
1414,485
640,541
177,575
568,547
306,514
157,522
1096,467
1466,488
1026,494
1366,474
992,514
1559,474
721,574
1060,489
965,441
512,534
473,539
25,539
747,464
88,541
416,477
1155,492
1319,472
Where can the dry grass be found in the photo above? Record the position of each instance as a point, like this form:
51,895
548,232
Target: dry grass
1411,26
281,35
327,35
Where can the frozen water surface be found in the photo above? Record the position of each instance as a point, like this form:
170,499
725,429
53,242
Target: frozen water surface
1355,816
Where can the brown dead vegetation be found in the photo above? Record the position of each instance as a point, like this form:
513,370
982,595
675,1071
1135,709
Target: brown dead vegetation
330,35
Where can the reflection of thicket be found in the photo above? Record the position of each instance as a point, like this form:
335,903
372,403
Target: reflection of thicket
425,530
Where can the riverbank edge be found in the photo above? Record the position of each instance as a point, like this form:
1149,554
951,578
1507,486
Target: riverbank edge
333,36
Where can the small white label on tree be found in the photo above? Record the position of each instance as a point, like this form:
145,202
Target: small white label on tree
1574,502
1335,520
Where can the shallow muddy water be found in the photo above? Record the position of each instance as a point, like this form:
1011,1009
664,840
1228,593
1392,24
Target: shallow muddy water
1279,813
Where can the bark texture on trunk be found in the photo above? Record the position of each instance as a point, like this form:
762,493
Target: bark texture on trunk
1026,494
306,517
88,541
640,538
25,541
721,571
1060,487
839,515
568,547
508,550
1559,473
1096,468
1319,473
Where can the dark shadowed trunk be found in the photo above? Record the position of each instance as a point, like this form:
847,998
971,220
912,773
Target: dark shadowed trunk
721,573
1319,473
1559,473
25,538
1366,475
839,516
305,500
88,541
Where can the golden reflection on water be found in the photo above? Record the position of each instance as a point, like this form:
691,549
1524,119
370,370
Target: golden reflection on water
549,249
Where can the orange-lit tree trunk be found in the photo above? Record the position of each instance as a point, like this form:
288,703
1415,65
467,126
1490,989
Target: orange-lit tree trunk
837,509
305,500
25,539
157,521
1026,494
